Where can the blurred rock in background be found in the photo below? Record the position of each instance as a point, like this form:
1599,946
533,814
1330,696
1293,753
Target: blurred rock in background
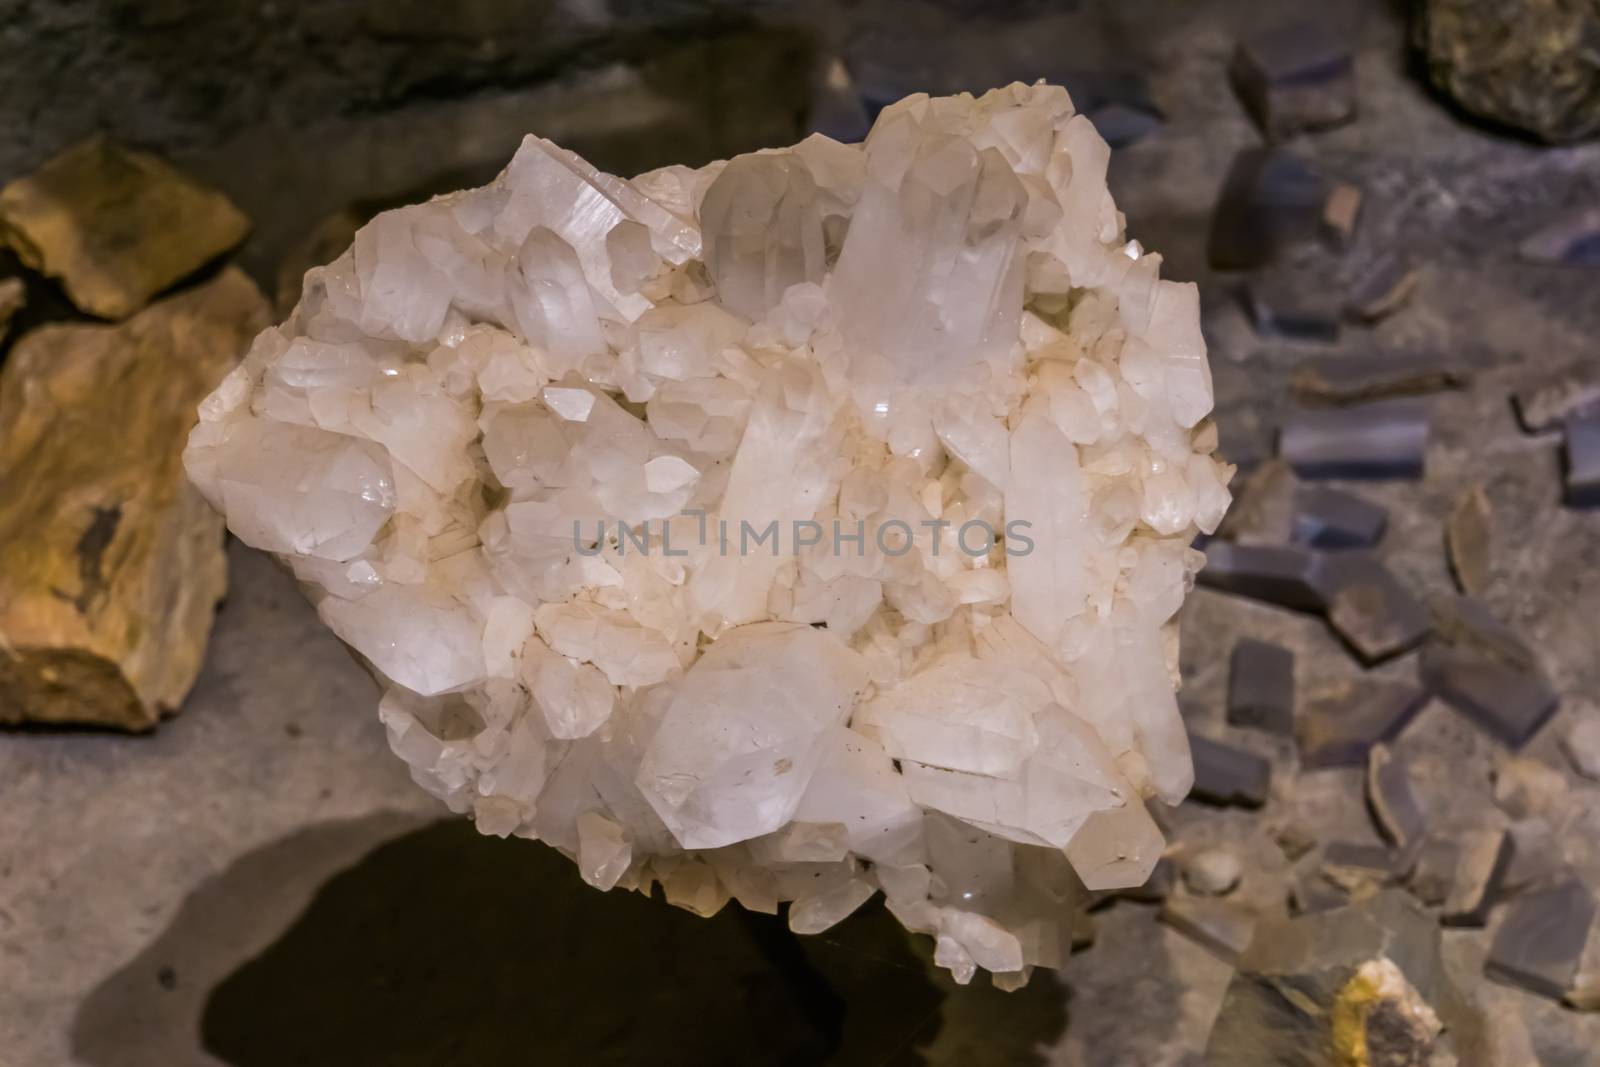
1532,65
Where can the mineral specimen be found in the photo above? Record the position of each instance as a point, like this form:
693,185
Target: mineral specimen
116,226
1364,984
1529,64
803,526
111,565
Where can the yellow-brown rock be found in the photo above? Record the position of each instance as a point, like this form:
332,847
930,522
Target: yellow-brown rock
116,226
111,564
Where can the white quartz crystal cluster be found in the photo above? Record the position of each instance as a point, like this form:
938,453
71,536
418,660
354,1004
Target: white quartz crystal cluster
802,526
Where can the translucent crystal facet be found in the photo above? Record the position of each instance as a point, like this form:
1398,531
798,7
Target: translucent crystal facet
803,527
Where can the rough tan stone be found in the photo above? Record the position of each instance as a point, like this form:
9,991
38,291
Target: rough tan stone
116,226
111,564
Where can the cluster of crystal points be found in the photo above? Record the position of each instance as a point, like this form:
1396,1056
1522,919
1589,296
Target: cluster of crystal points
943,325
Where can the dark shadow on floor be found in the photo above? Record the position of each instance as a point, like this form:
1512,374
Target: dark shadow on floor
443,947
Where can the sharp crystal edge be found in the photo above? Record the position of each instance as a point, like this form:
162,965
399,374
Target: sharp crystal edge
516,440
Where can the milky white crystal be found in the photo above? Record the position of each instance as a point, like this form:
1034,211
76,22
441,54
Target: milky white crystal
802,527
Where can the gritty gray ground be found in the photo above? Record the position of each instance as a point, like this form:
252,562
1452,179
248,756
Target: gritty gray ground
151,886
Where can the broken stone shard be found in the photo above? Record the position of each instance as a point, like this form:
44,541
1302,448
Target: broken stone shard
1225,774
1359,868
1341,721
1285,575
1295,77
1537,859
1539,944
672,513
1363,984
116,226
1310,893
1261,687
1369,608
1433,876
1482,858
1392,799
1281,307
1582,461
1325,517
1478,666
1382,439
111,565
1346,379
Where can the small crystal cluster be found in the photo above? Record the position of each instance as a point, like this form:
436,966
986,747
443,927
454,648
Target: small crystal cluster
802,526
